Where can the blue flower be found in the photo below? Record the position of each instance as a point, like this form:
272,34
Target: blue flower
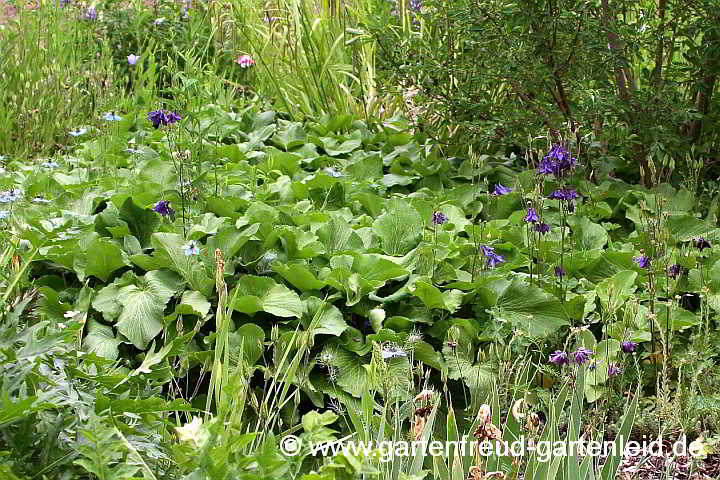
581,355
559,358
531,216
78,131
628,346
40,199
191,248
643,261
10,196
111,117
50,164
4,214
132,59
501,189
675,271
542,228
701,243
493,259
333,172
163,208
392,351
567,194
160,117
91,13
556,162
439,218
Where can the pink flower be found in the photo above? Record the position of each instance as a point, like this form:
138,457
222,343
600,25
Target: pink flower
245,61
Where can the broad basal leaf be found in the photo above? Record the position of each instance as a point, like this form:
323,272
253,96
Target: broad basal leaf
256,294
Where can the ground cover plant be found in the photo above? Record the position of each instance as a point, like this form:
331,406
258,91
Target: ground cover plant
228,251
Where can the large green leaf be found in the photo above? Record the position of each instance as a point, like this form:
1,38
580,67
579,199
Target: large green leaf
101,340
142,315
255,294
103,258
327,318
614,291
530,308
399,228
141,221
432,297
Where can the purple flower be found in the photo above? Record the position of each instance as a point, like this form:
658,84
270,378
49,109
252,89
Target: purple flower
556,162
613,370
531,216
493,259
567,194
415,5
675,271
643,261
438,218
501,189
628,346
90,13
559,272
581,355
701,243
542,228
160,117
132,59
163,208
559,358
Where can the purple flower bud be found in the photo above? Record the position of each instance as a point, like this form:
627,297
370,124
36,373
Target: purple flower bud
628,346
701,243
675,271
542,228
559,272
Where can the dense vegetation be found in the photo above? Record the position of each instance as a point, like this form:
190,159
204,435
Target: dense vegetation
233,229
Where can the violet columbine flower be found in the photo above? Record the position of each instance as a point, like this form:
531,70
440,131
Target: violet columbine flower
439,218
701,243
493,259
559,358
501,189
163,208
531,216
643,261
245,61
160,117
191,248
542,228
567,194
613,370
556,162
559,272
581,355
628,346
132,59
675,270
